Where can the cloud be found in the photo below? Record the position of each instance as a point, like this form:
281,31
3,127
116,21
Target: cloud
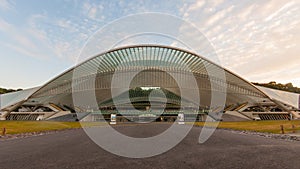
6,5
93,11
66,24
4,25
63,38
22,50
254,39
218,16
196,6
27,41
276,13
19,41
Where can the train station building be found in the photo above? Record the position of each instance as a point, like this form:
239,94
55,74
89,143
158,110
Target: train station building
159,68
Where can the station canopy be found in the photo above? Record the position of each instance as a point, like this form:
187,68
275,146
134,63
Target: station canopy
156,66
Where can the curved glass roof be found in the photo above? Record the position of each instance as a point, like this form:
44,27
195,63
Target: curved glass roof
150,58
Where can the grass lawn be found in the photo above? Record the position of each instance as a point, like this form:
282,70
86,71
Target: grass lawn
259,126
14,127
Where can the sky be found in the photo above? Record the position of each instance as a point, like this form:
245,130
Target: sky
256,39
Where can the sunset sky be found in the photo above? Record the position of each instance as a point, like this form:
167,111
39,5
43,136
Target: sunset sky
256,39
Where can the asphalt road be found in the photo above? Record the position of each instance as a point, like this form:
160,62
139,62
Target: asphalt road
225,149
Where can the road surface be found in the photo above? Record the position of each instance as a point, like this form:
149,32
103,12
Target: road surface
225,149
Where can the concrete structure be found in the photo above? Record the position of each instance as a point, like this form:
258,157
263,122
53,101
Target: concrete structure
54,100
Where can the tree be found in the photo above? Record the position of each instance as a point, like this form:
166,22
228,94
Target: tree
3,90
289,87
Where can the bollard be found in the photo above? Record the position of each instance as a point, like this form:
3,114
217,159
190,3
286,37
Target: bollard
293,127
4,131
282,129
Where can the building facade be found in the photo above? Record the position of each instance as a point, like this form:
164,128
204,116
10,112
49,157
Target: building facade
173,77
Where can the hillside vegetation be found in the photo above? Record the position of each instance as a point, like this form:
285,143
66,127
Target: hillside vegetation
284,87
3,91
273,85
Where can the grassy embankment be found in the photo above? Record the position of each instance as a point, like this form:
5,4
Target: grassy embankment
14,127
258,126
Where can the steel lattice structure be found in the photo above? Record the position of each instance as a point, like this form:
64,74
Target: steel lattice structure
154,64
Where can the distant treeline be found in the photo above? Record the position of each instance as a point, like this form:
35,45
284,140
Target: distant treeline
285,87
273,85
3,91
